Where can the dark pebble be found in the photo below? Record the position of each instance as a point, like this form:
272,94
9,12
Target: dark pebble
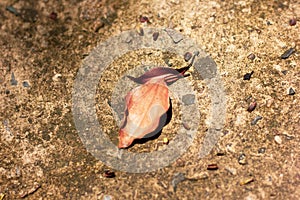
220,153
284,72
262,150
109,174
144,19
212,167
288,53
247,76
292,22
255,120
292,91
12,10
53,16
155,36
252,106
251,56
13,80
7,92
187,56
141,31
25,84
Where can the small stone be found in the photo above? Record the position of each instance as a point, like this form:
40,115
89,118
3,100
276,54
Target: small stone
165,140
155,36
247,76
278,139
107,197
291,91
12,10
252,106
251,56
144,19
262,150
56,77
109,174
25,84
188,99
242,159
175,36
246,181
187,56
284,72
140,31
53,15
288,53
186,126
212,167
255,120
231,170
292,22
13,80
220,153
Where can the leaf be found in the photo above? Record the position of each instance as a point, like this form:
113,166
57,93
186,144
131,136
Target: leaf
147,104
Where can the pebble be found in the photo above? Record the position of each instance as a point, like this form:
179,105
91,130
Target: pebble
12,10
252,106
251,56
53,15
291,91
109,174
13,80
246,181
144,19
186,126
155,36
288,53
187,56
212,167
247,76
107,197
284,72
188,99
141,31
278,139
25,84
165,140
56,77
231,170
256,119
242,159
262,150
175,36
292,22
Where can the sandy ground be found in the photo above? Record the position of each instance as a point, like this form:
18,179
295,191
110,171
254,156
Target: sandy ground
43,44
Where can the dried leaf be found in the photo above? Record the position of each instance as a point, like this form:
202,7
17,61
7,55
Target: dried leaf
147,104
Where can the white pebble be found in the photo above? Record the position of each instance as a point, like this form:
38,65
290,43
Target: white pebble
278,139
